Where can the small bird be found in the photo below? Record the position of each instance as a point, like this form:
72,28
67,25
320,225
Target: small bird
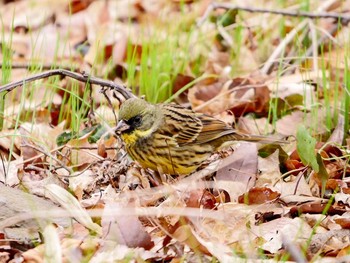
172,139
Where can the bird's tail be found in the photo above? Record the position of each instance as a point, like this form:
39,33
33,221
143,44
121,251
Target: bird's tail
259,138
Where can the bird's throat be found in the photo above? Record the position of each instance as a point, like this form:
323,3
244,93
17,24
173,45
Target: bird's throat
135,136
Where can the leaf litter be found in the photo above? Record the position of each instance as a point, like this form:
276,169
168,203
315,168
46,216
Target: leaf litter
247,203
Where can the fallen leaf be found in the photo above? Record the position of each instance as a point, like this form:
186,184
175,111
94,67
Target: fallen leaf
258,195
124,229
316,208
241,166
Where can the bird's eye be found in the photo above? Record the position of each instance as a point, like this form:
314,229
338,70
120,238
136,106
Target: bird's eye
137,120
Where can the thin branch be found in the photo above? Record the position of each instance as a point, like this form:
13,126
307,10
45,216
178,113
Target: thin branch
279,49
315,15
293,249
48,155
82,77
45,66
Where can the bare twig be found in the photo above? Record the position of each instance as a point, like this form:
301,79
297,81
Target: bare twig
83,77
309,54
125,211
103,91
314,45
48,155
315,15
293,249
266,68
45,66
319,13
279,49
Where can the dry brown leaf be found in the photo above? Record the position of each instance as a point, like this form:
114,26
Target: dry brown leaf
201,198
179,82
239,95
258,195
81,157
78,5
316,208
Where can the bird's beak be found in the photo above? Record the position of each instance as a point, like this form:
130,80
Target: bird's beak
122,126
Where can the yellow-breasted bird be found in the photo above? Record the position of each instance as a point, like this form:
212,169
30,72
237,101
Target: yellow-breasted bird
171,139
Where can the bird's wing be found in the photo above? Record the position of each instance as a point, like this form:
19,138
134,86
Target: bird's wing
182,124
187,127
212,129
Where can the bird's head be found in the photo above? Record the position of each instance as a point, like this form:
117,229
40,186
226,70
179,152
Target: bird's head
137,119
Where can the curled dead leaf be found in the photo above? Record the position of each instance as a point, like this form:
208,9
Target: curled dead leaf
258,195
240,96
201,198
316,208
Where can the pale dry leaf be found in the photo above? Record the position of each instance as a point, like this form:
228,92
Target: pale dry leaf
124,9
248,60
44,134
233,230
114,252
52,43
319,220
287,125
331,240
233,188
71,204
28,14
124,229
9,139
251,125
241,166
73,25
71,249
34,255
296,229
32,106
269,168
220,250
16,203
53,250
283,90
37,187
298,199
84,182
111,38
343,198
337,135
9,171
297,186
